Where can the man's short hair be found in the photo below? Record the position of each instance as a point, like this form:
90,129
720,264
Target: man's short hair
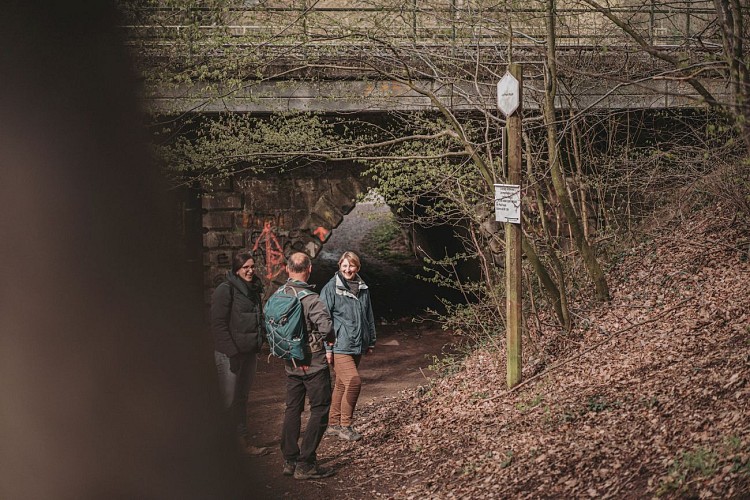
298,262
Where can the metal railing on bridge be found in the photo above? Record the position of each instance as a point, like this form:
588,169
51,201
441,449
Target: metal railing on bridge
443,22
323,57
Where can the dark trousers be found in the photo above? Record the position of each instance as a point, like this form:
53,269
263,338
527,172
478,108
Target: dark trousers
317,387
235,386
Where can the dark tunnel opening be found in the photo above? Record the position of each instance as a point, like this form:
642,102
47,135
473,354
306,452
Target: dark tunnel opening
390,267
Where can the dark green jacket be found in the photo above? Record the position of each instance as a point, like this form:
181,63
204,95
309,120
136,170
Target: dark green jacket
236,315
353,320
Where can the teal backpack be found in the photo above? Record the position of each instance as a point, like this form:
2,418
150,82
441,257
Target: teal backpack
285,324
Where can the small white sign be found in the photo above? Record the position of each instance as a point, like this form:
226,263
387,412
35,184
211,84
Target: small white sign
508,91
508,203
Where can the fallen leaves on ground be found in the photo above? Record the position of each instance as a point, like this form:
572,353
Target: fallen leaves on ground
648,396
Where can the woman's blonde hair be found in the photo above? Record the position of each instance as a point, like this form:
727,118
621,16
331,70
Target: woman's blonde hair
351,257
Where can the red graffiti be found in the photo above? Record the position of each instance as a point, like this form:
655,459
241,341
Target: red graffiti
322,233
274,251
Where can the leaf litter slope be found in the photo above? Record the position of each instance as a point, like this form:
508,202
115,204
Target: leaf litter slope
648,397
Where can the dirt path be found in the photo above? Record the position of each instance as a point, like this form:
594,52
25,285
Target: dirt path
403,353
400,361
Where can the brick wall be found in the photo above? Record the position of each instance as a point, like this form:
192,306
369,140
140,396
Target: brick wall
273,217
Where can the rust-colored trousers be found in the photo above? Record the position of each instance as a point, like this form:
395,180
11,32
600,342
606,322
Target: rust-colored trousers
346,390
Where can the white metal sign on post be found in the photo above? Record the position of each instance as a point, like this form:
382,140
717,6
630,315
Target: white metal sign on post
508,92
508,203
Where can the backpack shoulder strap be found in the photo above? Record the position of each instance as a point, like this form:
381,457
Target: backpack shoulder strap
299,294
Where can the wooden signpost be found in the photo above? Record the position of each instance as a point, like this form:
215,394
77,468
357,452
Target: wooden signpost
509,102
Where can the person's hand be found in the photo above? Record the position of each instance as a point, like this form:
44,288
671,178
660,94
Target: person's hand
265,348
369,350
329,357
235,362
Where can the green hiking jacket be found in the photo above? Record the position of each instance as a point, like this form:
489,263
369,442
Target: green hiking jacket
353,320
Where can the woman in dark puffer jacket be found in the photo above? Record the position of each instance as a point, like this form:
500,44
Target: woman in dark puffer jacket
237,327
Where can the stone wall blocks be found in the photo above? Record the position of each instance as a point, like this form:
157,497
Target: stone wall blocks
264,197
218,258
345,201
326,210
347,188
223,239
219,220
256,221
312,248
218,201
312,223
293,219
217,184
301,212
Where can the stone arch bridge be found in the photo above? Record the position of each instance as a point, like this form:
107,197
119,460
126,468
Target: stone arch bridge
273,216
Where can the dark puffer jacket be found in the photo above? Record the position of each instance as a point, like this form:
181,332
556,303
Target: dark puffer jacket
236,315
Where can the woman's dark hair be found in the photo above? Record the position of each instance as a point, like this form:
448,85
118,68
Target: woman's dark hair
240,259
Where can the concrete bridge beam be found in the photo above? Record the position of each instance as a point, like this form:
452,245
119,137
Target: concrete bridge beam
385,96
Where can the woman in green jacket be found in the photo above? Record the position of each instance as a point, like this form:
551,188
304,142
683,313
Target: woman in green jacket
348,299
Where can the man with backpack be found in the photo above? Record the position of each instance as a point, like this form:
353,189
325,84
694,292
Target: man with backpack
309,376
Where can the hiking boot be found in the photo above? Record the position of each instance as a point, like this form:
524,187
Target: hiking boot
311,471
333,430
349,434
289,467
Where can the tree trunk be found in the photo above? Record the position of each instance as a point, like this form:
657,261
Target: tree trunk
558,294
731,22
547,282
582,196
558,179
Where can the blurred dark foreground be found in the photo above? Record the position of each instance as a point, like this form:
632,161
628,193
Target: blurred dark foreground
107,387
